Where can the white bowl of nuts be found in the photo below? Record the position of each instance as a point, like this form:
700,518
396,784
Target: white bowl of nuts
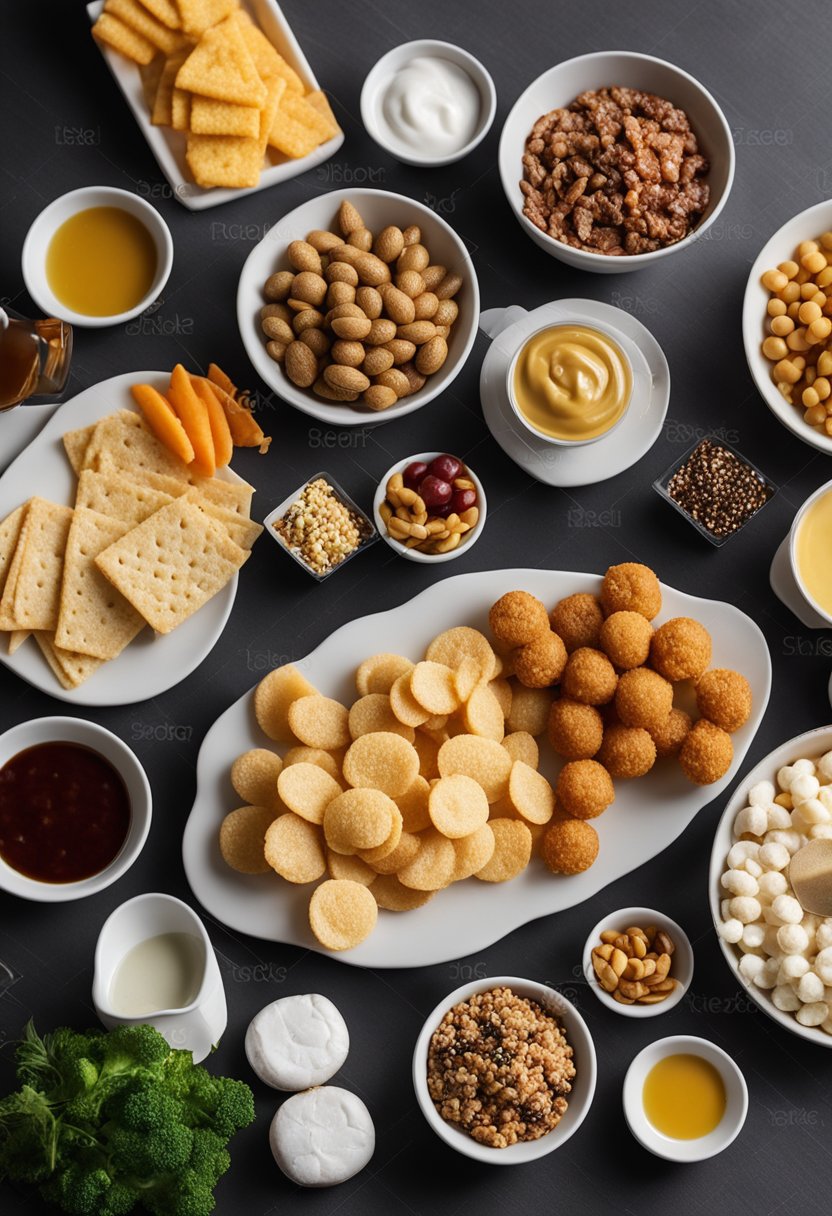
638,962
599,223
358,307
772,335
505,1134
430,507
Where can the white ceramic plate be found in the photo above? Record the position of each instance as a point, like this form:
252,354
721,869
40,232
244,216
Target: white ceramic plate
19,426
812,743
807,226
638,430
647,817
149,665
168,146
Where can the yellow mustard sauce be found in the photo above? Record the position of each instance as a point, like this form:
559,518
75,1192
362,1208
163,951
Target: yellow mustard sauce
813,551
571,382
101,261
684,1097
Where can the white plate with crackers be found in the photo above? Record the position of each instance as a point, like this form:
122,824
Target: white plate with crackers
144,45
466,916
48,551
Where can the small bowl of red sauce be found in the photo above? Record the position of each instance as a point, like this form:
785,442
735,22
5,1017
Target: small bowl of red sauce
75,809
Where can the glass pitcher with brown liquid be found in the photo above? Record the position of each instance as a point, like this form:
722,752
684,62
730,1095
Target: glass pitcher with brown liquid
34,359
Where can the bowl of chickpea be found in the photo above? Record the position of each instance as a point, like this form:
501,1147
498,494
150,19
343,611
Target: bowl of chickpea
787,325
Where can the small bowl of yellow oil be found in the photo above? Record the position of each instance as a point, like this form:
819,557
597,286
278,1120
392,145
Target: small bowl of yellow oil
684,1098
97,256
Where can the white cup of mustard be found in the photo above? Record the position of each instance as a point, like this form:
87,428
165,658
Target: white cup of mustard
570,384
810,546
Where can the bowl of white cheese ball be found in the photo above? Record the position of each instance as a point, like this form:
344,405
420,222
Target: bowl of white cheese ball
771,885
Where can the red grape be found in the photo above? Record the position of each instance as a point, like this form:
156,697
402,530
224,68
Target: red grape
434,492
446,467
413,474
462,500
442,512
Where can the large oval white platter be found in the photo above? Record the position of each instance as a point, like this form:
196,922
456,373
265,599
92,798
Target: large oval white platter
151,664
646,817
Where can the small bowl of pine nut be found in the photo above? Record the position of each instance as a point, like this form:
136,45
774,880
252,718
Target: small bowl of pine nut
638,962
420,530
787,325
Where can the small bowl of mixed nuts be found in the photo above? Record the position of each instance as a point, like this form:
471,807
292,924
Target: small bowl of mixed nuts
430,507
638,962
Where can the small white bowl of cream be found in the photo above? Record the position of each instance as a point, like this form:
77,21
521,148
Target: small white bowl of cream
428,102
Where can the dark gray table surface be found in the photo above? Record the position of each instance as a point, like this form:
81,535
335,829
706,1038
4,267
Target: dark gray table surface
64,124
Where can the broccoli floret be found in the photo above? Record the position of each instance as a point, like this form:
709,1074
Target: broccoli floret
146,1155
84,1191
234,1107
131,1048
145,1108
209,1156
188,1195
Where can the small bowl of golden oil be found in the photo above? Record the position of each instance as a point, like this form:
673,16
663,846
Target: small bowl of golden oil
684,1098
97,256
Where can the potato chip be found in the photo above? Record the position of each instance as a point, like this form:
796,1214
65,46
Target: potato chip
428,750
359,819
529,709
467,676
273,697
404,705
373,713
433,686
413,804
212,117
298,128
393,896
352,868
484,760
502,690
320,102
433,866
530,793
143,23
473,852
313,755
243,839
319,722
483,715
512,851
114,33
520,745
307,790
402,855
254,777
452,646
381,761
220,66
294,849
436,724
379,673
457,806
387,846
342,913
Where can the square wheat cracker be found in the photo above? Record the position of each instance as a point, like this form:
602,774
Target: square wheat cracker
244,532
75,445
69,669
119,497
7,618
220,66
38,590
124,442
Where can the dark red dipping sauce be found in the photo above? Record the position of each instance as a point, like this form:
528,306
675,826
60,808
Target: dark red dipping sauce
64,812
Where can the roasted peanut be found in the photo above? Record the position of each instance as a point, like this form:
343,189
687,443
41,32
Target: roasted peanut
349,218
411,283
340,293
315,339
389,244
276,310
303,256
350,354
276,351
301,364
324,241
377,360
278,285
412,235
399,306
341,272
413,257
369,301
401,350
277,329
433,276
362,239
432,354
310,318
348,378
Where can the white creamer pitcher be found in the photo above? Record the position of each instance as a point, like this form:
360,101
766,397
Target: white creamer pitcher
196,1027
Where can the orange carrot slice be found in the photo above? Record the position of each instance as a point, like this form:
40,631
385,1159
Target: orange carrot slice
246,432
220,431
163,422
194,417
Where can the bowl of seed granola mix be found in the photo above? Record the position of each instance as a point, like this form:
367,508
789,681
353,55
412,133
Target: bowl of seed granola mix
615,159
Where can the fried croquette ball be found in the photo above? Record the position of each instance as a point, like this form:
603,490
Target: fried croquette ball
627,751
518,618
578,620
643,698
681,649
724,698
706,753
671,734
569,846
625,639
589,676
540,663
631,587
584,789
575,730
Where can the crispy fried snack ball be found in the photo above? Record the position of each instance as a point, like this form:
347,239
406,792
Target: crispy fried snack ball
671,734
643,698
625,639
589,676
627,751
584,789
706,753
575,730
569,846
578,620
631,587
681,649
518,618
541,662
724,697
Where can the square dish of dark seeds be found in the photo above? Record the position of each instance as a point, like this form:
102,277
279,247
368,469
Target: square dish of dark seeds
716,489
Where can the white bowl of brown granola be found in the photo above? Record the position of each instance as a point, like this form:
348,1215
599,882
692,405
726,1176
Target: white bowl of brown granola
615,159
543,1091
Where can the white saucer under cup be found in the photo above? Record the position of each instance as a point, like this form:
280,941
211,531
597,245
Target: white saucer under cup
583,464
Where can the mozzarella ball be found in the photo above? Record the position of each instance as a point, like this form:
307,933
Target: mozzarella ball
752,867
750,966
766,977
785,776
810,988
823,964
813,811
770,885
823,932
820,831
803,766
793,966
778,818
785,998
803,787
791,840
741,852
731,930
738,882
787,909
753,819
774,856
824,767
746,908
753,936
791,938
761,794
814,1014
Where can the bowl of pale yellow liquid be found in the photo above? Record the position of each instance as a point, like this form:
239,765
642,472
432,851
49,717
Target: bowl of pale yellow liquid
684,1098
570,384
810,549
97,256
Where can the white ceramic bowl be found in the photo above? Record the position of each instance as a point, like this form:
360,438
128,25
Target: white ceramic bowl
736,1104
583,1088
681,968
560,85
469,539
108,745
821,492
50,219
807,226
378,209
398,58
812,743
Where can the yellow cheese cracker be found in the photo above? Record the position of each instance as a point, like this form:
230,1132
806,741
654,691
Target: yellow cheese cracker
298,128
139,19
211,117
267,60
320,102
164,11
163,103
220,66
229,160
197,16
180,110
114,33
